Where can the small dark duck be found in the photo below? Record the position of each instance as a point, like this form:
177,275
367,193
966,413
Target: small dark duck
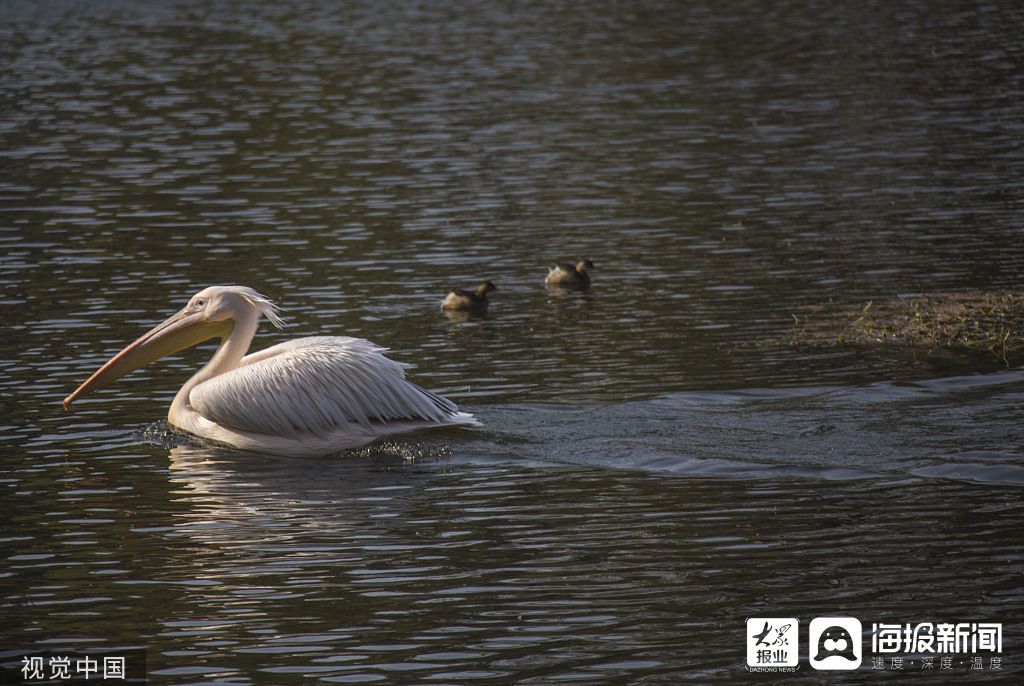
459,299
567,275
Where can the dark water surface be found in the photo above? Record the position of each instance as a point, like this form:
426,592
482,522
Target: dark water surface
654,466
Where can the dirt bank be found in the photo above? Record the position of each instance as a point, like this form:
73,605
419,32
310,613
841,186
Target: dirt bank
988,321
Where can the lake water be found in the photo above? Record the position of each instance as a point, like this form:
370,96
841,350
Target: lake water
656,463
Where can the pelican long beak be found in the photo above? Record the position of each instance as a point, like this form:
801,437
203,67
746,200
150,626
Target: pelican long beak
180,331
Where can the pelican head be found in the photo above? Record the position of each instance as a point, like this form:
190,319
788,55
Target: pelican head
213,312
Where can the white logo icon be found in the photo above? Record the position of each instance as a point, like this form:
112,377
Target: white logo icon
772,642
835,643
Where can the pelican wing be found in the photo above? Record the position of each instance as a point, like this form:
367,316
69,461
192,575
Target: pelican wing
313,386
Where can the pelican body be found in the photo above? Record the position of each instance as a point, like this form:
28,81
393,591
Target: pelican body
305,397
460,299
566,275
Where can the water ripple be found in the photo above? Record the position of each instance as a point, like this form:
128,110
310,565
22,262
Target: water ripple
650,471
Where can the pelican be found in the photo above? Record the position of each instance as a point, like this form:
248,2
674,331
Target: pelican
567,275
305,397
460,299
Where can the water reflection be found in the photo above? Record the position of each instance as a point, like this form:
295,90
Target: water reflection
364,567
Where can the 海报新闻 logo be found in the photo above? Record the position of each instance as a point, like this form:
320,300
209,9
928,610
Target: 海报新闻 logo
835,643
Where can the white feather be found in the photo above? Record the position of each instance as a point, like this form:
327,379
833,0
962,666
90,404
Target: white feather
313,386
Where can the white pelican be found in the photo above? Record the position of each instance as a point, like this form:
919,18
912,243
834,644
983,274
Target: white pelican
309,396
568,275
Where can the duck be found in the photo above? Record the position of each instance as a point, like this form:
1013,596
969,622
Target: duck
568,275
460,299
